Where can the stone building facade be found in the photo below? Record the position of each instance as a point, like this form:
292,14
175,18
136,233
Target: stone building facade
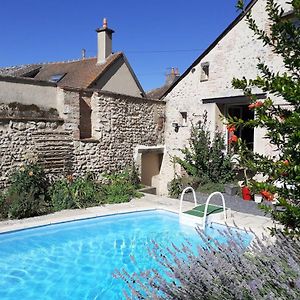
206,86
121,127
74,117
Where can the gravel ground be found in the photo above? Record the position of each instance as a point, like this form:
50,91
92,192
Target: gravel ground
236,203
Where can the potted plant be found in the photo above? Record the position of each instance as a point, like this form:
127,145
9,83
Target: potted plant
258,198
246,191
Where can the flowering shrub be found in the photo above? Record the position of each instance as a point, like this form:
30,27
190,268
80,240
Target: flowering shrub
27,194
68,193
30,193
267,270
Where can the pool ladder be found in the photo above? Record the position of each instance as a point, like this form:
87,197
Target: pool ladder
206,204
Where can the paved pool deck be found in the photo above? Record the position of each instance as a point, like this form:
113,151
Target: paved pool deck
258,224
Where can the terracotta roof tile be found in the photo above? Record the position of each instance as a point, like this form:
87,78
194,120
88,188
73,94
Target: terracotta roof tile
77,74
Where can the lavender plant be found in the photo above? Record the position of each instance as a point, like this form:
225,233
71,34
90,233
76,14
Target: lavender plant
266,270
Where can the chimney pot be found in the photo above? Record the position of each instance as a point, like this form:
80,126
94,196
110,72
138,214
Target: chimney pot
172,76
83,53
104,23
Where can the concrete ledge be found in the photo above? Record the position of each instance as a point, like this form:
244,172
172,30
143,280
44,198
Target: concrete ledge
149,202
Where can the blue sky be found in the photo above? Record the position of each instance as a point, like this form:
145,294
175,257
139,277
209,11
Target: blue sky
154,35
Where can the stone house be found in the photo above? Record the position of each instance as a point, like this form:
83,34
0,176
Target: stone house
206,86
89,115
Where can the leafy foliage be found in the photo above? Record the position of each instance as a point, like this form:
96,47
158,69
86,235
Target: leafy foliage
282,123
31,194
267,270
134,177
119,188
27,194
79,193
178,184
204,158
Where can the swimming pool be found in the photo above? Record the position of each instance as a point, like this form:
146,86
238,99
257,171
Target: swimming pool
75,260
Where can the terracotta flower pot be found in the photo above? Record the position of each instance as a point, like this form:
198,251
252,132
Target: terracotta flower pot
246,193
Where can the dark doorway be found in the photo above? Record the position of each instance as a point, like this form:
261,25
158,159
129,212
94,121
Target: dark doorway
243,112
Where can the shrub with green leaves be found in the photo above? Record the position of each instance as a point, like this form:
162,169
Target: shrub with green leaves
27,194
119,188
178,184
4,205
205,158
60,194
30,193
134,177
69,193
265,270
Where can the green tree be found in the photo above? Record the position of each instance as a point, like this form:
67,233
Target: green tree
204,159
282,124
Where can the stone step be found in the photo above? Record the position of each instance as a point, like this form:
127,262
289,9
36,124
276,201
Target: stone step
54,158
51,156
54,149
51,133
53,141
148,190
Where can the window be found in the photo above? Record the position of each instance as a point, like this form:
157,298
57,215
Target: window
183,118
204,71
57,77
85,121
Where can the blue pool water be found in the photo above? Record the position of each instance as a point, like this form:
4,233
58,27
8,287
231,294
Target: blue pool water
75,260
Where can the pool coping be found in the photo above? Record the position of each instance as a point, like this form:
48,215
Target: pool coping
257,224
78,220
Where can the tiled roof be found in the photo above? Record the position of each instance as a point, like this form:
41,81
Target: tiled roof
77,74
158,92
10,71
170,79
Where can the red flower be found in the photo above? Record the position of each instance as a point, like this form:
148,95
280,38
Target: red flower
233,139
267,195
286,162
258,104
231,128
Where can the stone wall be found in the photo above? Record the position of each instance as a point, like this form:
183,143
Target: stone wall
38,140
120,124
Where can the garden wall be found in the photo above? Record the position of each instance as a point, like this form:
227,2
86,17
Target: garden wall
119,124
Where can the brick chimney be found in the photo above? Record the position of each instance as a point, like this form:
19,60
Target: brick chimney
104,42
172,76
